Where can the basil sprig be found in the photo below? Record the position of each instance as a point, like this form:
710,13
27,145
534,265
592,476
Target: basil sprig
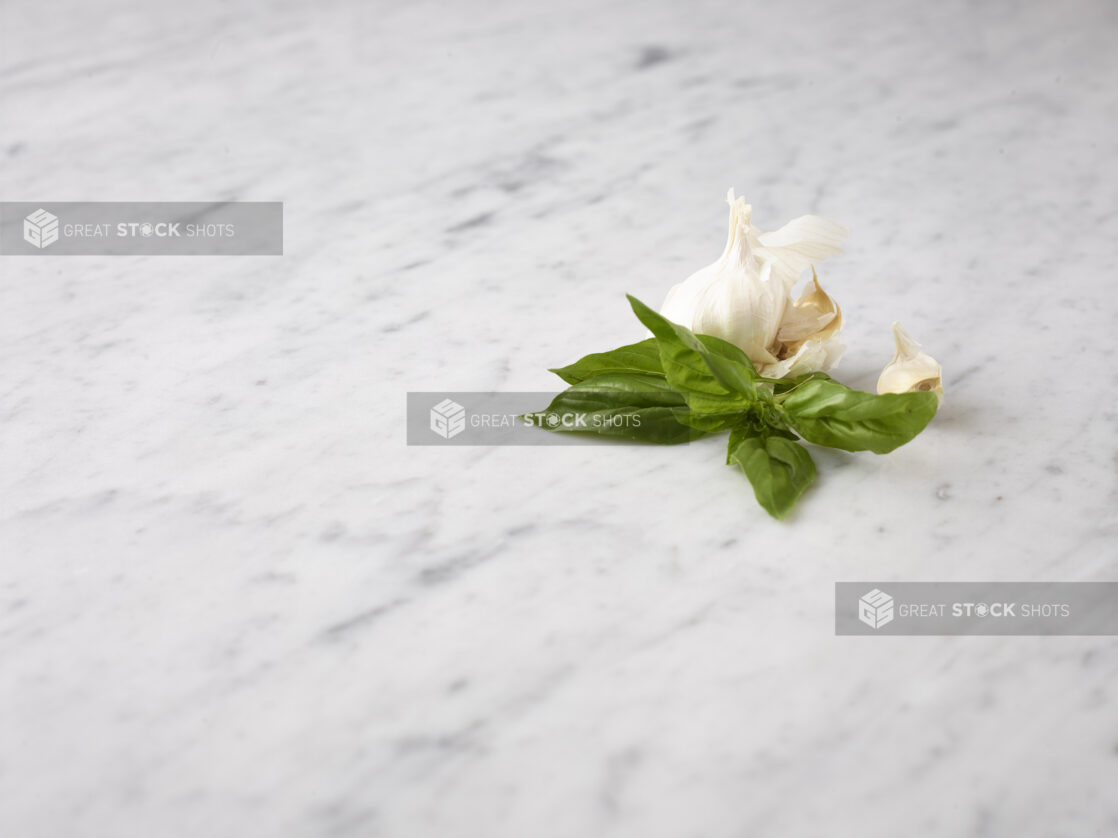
677,386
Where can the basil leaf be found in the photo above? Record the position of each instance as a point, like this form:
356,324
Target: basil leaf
643,357
778,467
828,413
741,367
633,406
783,385
710,423
712,375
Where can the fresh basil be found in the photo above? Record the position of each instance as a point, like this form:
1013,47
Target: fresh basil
828,413
627,405
783,385
714,377
778,467
678,386
643,357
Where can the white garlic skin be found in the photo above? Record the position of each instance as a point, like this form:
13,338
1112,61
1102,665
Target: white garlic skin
745,296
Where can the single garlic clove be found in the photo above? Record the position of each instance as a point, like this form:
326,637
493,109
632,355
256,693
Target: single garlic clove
808,336
812,355
911,370
814,315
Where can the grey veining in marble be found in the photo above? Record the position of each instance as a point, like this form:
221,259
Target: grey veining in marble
234,603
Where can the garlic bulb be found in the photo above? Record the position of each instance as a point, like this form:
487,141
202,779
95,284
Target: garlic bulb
911,370
745,297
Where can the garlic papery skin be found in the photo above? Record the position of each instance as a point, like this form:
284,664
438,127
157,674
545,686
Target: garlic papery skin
745,298
912,370
808,337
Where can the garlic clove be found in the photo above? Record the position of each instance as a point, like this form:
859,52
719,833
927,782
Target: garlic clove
911,370
683,298
742,308
808,337
812,355
814,315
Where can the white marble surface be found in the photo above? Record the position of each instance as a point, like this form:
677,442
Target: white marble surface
233,603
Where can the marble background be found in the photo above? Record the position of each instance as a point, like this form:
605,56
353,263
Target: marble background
234,603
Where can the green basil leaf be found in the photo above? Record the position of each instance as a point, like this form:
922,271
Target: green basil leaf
710,423
828,413
633,406
740,369
643,357
786,384
712,375
779,468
